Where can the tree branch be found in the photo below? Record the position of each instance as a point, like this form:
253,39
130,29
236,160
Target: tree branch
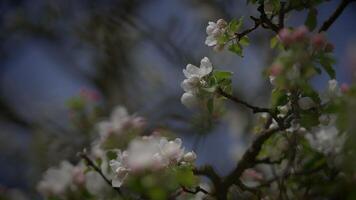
254,109
249,158
341,7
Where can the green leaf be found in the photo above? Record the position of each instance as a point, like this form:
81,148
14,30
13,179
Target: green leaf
236,48
276,4
185,176
235,25
220,75
244,41
311,20
278,97
309,119
211,105
327,62
223,39
274,42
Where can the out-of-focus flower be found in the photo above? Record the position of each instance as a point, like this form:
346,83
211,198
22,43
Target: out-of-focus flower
148,154
252,175
214,31
285,36
344,88
318,41
326,139
332,91
119,123
306,103
300,34
56,180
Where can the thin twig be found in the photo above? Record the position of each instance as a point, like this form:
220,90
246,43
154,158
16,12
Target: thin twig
254,109
195,191
341,7
90,163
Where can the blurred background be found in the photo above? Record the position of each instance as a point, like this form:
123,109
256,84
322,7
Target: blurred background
131,53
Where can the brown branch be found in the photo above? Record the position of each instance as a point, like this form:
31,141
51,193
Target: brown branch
249,158
90,163
195,191
341,7
269,161
265,20
281,15
208,172
247,31
254,109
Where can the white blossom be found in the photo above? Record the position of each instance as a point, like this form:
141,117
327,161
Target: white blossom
56,180
332,91
190,157
214,31
194,81
283,110
120,121
326,139
148,154
189,100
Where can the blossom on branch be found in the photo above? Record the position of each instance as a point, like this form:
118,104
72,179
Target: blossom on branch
195,80
148,153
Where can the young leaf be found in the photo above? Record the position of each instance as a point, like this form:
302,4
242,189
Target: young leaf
244,41
235,25
326,62
311,20
220,75
211,105
274,42
236,48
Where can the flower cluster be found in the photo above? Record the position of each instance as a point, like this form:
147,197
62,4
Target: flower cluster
149,153
215,30
119,124
58,181
301,34
326,139
195,80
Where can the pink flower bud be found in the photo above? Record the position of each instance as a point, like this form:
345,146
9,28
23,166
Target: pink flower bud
344,87
252,174
285,36
276,69
78,176
318,41
300,33
221,23
329,47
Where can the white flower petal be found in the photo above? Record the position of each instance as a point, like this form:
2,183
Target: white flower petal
191,84
211,41
189,100
191,71
205,67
